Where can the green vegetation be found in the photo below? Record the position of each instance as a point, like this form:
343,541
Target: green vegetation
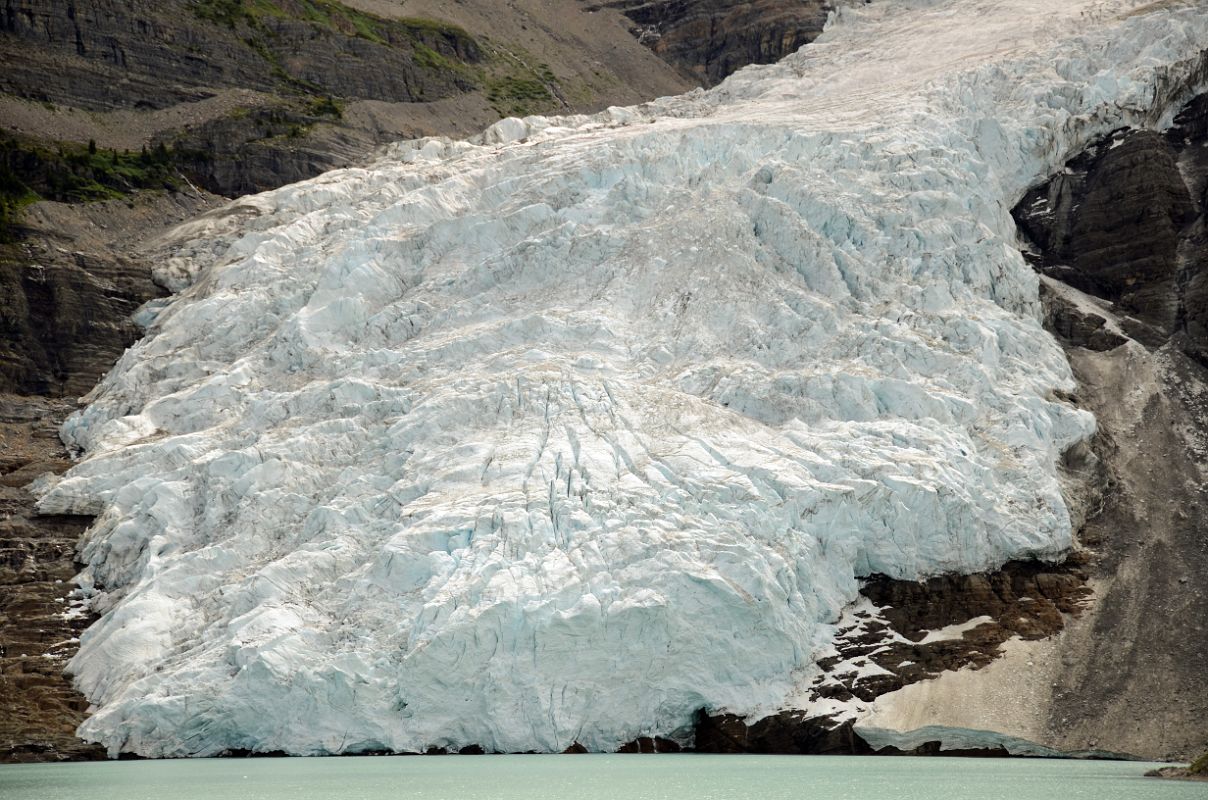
434,61
1199,766
337,18
74,173
518,96
325,106
517,89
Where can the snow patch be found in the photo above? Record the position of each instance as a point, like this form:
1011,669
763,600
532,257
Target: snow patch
949,632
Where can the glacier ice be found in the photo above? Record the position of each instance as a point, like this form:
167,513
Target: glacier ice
562,433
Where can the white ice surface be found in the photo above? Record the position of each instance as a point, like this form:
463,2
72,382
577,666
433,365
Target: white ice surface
564,434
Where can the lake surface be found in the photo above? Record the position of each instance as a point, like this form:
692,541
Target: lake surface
593,777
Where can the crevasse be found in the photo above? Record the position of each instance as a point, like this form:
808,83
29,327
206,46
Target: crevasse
564,433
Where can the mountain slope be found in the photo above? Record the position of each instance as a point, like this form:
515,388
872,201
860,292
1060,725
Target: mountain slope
252,94
462,447
1118,232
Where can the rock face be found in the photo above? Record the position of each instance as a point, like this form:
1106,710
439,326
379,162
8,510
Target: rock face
101,55
144,56
256,95
1131,235
709,39
65,317
39,628
1124,224
907,632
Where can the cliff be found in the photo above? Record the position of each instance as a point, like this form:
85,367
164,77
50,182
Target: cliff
709,39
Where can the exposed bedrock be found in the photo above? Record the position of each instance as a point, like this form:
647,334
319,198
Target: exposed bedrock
39,710
233,86
890,644
1124,223
252,96
709,39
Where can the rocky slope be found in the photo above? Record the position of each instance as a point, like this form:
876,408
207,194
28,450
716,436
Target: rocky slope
258,94
586,351
39,711
68,290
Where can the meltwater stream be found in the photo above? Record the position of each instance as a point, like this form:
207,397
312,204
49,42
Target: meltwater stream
593,777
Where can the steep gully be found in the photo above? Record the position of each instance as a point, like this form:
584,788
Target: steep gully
1120,239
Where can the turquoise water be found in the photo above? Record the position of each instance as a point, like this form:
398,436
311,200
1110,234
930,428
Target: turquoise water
599,777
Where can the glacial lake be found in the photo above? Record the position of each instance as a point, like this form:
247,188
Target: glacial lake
593,777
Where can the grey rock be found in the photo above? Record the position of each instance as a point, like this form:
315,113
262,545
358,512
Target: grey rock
709,39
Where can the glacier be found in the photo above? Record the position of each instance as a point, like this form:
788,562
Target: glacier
562,433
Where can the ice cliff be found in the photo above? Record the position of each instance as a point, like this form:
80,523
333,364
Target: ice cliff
562,434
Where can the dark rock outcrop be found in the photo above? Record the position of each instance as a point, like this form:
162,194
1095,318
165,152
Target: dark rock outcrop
709,39
1080,327
39,711
650,744
1025,598
1122,223
65,318
1028,599
785,733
